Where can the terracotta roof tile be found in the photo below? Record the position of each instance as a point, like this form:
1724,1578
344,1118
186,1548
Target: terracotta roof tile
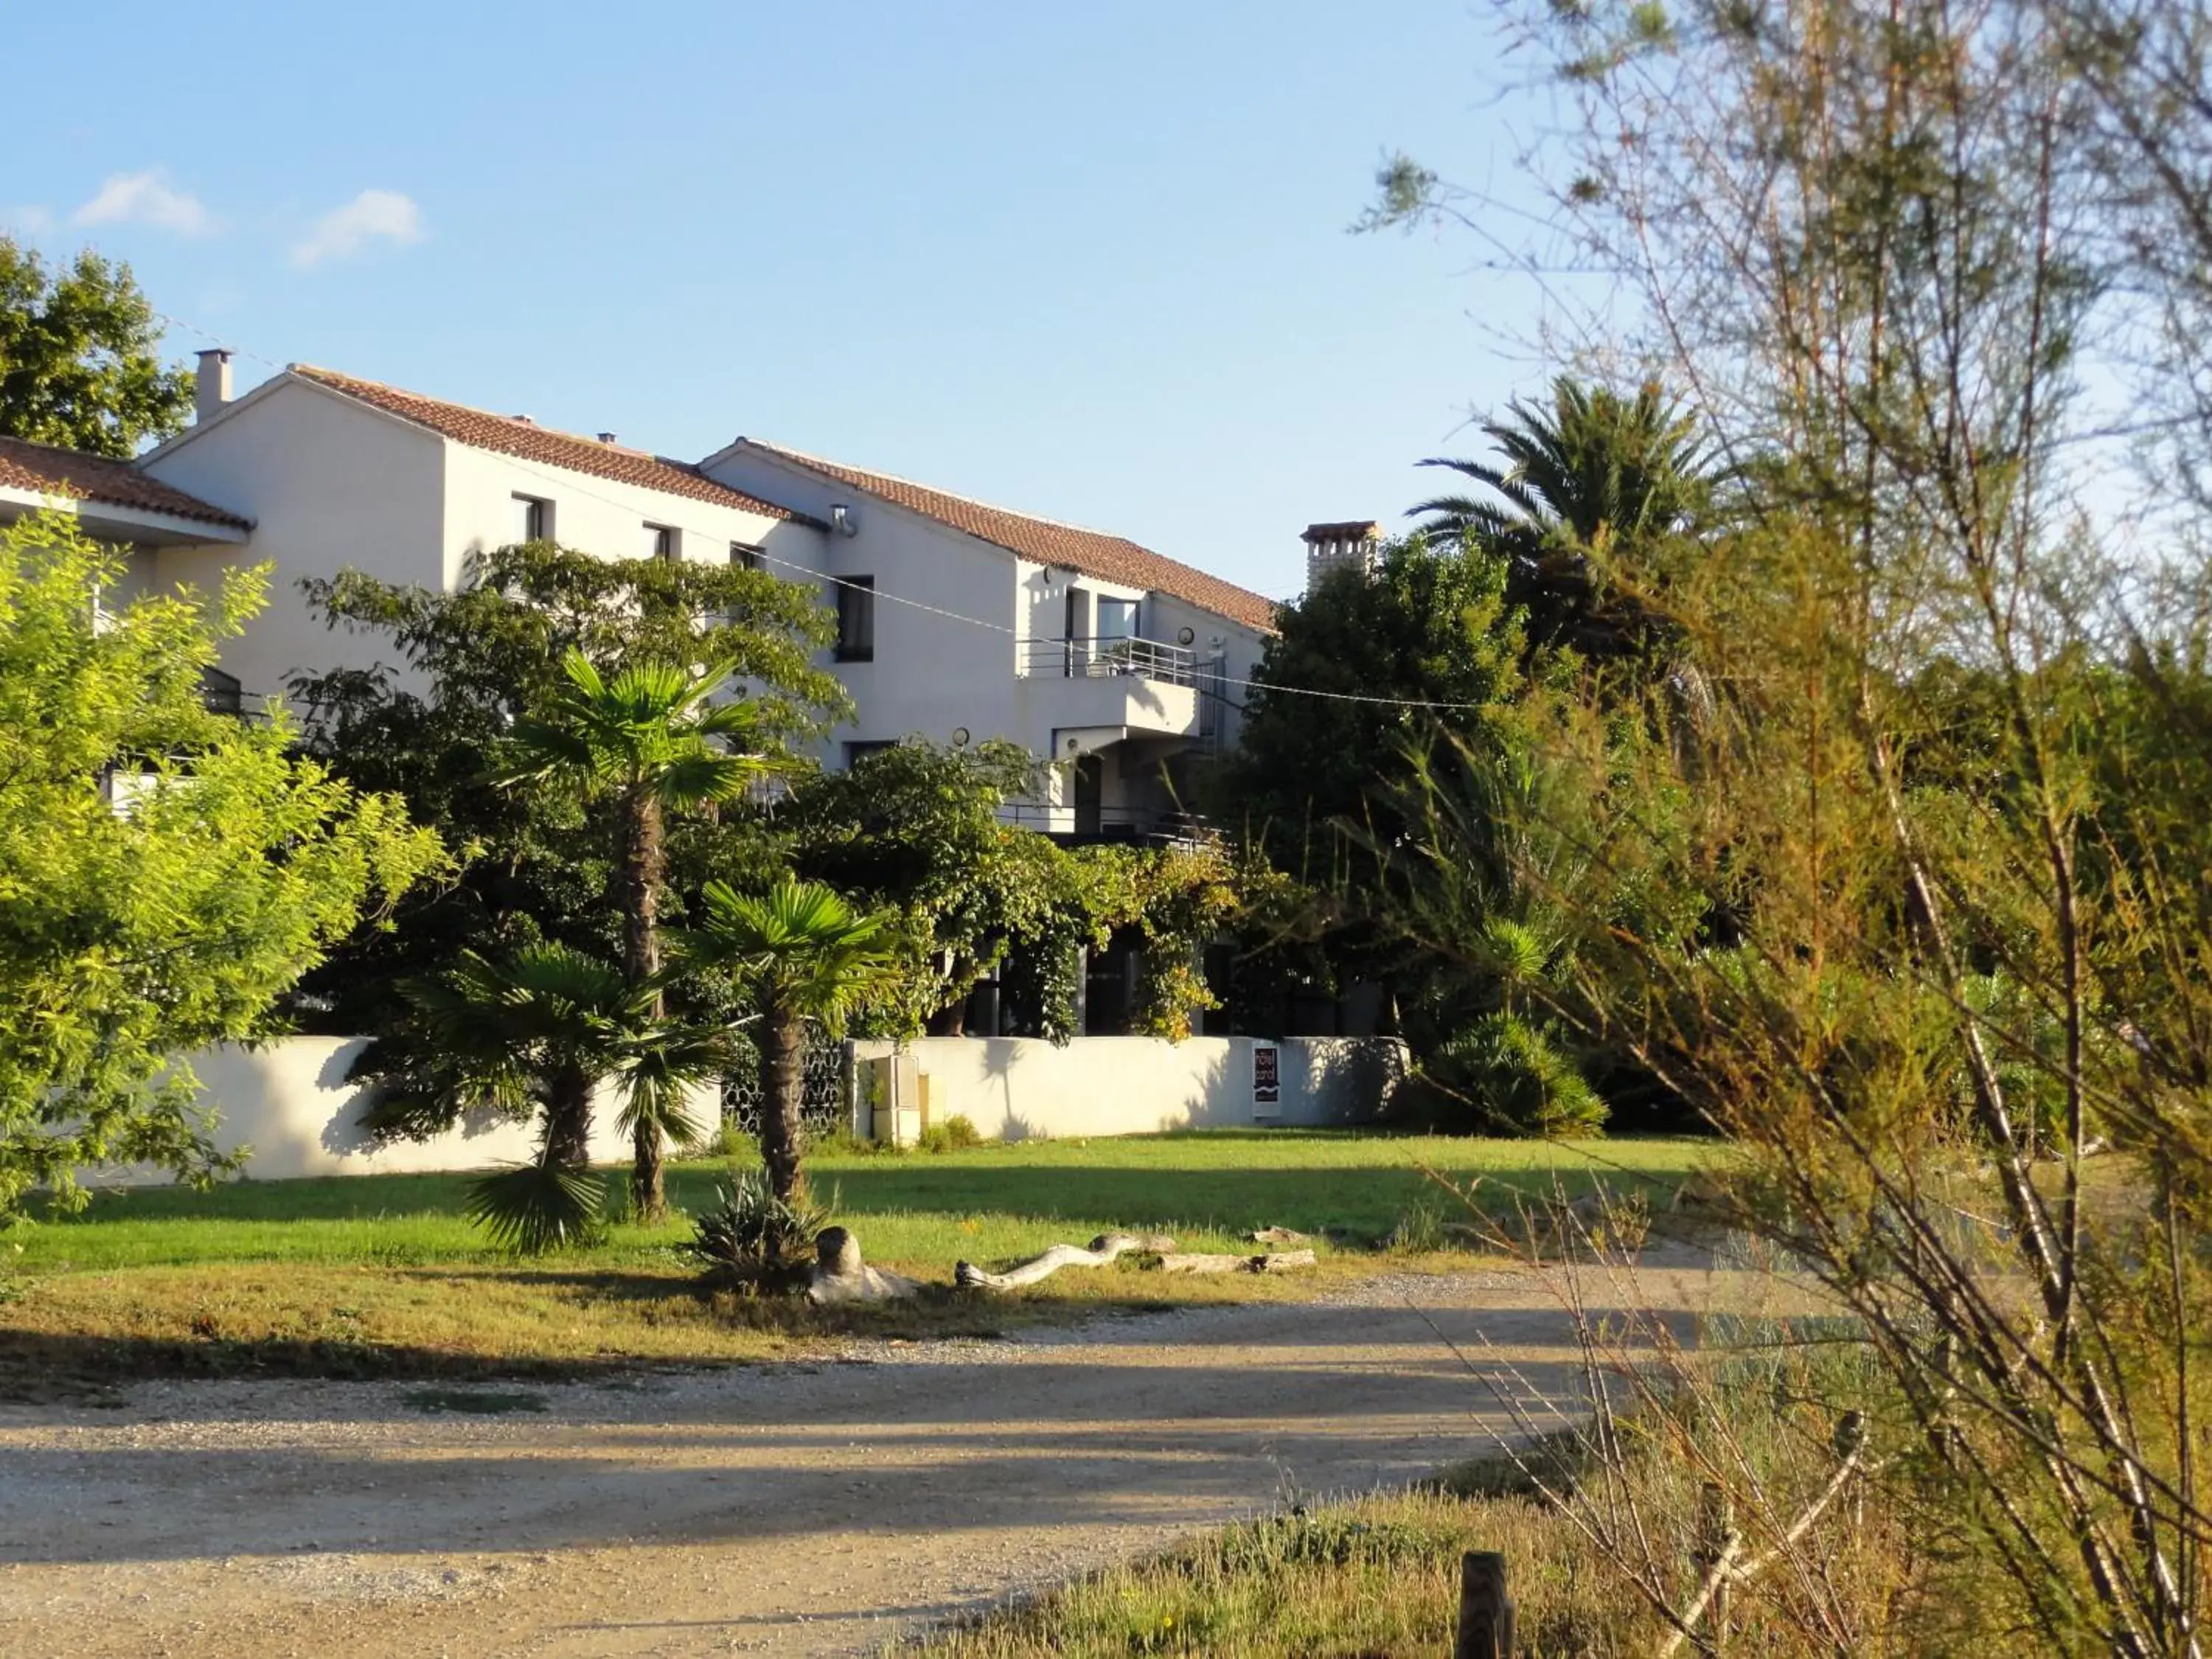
1111,558
507,434
71,473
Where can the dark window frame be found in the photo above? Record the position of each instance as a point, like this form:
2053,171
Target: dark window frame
667,543
744,555
856,618
537,517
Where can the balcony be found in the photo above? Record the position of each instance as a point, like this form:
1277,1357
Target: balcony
1103,687
1112,656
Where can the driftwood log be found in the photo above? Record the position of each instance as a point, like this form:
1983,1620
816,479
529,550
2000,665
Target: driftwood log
839,1275
1106,1248
1103,1251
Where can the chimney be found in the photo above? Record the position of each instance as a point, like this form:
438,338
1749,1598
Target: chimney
607,437
1350,544
211,390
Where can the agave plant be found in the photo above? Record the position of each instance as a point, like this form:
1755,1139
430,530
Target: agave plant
751,1235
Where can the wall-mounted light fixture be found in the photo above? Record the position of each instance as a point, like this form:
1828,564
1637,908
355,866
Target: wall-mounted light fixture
959,737
1185,635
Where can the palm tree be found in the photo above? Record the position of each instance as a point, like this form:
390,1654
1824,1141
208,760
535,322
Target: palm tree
799,953
542,1029
1597,478
653,740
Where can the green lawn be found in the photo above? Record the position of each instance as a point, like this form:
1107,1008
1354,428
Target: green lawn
382,1275
984,1202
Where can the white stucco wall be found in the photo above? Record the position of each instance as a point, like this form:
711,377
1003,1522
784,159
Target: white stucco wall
592,515
1239,647
1022,1088
331,483
933,674
291,1102
328,484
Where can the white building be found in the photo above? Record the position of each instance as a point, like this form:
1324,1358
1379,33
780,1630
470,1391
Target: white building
957,621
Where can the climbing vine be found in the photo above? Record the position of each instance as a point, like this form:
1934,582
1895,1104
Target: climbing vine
1176,898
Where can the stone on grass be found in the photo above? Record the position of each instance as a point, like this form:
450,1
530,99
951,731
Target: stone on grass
840,1275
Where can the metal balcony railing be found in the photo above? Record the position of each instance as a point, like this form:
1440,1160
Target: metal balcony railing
1155,827
1106,657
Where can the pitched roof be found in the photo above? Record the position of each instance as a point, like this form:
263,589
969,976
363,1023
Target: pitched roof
1111,558
524,439
69,472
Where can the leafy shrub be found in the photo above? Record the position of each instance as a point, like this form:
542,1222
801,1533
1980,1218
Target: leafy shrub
733,1143
618,1205
751,1236
1513,1077
1420,1230
956,1133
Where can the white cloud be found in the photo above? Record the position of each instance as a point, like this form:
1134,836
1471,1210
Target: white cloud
375,215
146,199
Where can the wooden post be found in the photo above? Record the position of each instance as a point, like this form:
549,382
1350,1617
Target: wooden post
1715,1539
1486,1613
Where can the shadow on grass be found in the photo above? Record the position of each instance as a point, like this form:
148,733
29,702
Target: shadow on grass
39,1366
996,1180
1363,1204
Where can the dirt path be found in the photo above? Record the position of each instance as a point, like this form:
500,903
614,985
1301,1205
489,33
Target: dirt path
803,1509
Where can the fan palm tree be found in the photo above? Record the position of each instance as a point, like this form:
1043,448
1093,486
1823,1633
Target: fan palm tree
799,953
653,740
542,1029
1595,478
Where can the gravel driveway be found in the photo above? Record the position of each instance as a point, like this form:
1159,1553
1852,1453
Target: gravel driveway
806,1509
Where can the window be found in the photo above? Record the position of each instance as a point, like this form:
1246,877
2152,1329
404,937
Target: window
861,747
1117,619
663,543
221,692
856,619
533,519
743,557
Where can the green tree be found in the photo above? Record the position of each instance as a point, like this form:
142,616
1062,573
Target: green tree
1423,650
800,955
165,873
468,664
916,827
1428,642
537,1033
1587,501
1947,276
651,741
80,361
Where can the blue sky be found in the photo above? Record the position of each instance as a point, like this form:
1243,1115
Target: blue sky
1088,261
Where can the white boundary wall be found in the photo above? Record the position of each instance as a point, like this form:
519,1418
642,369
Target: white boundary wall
288,1100
1023,1087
